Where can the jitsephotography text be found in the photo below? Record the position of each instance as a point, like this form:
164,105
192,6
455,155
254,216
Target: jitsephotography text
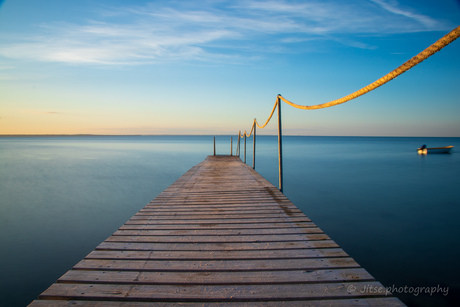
372,289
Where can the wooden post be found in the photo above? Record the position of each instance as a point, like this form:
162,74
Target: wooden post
237,145
231,146
280,147
239,140
254,147
245,147
214,145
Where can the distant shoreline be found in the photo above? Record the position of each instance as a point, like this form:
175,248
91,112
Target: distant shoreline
53,135
148,135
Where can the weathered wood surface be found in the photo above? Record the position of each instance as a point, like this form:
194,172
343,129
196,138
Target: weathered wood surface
220,235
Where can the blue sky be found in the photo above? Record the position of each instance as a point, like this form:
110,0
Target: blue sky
210,67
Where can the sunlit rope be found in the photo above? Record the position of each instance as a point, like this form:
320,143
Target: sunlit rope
250,133
245,134
270,117
254,123
438,45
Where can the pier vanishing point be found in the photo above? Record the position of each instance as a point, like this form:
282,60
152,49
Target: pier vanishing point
221,235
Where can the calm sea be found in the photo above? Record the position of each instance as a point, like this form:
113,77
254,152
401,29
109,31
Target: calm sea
394,211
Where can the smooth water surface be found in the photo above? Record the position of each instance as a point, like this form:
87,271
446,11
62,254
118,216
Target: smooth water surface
392,210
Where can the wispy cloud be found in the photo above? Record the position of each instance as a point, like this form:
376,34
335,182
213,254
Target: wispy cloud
40,112
394,7
216,31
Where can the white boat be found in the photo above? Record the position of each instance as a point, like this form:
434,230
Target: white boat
424,150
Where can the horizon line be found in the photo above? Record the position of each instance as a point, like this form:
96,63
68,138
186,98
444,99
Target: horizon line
117,135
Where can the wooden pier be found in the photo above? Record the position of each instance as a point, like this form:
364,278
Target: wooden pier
220,235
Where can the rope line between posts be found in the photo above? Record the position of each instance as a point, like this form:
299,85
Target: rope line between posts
437,46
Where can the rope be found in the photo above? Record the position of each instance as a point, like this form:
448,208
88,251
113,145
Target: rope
245,133
252,129
438,45
250,132
270,117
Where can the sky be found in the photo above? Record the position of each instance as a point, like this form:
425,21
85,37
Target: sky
212,66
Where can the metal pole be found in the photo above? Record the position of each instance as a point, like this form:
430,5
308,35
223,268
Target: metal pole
280,146
239,144
231,146
254,147
214,145
245,147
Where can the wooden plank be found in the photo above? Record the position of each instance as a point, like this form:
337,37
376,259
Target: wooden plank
214,203
227,211
224,211
242,205
221,235
216,278
217,239
254,196
217,224
257,196
207,293
219,255
227,226
205,217
357,302
217,265
155,246
248,220
217,232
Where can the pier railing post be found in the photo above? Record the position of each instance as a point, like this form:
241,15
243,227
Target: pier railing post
254,147
239,144
245,147
280,147
231,146
214,145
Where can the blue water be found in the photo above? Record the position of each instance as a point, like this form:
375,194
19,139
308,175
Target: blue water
392,210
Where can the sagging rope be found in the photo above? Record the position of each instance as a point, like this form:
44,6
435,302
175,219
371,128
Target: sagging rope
438,45
270,117
255,123
245,134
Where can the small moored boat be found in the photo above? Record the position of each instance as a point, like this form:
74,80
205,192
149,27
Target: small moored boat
424,150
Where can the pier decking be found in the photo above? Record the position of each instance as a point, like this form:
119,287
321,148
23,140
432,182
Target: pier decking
221,234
